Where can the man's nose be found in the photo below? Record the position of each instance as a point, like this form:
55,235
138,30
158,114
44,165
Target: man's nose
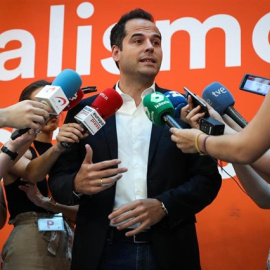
149,46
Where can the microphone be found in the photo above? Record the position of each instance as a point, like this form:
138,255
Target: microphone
159,109
208,124
178,101
77,97
92,118
220,98
74,100
56,95
64,86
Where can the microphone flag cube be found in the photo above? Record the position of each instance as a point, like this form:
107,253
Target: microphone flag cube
91,119
53,96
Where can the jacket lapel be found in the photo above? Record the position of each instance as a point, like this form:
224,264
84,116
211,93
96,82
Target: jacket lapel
111,136
155,134
155,137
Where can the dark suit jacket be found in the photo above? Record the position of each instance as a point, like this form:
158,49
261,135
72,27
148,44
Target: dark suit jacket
186,183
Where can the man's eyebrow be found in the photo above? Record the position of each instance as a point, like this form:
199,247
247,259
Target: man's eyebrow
157,36
140,35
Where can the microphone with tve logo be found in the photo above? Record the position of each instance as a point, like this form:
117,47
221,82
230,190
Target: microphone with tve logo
160,110
220,98
92,118
56,95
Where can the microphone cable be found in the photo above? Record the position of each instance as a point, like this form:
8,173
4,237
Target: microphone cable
237,182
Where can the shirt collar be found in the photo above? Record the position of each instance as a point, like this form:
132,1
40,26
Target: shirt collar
147,91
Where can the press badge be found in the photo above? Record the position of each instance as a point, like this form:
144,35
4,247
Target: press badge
55,223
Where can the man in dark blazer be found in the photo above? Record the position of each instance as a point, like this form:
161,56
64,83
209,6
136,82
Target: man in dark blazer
147,219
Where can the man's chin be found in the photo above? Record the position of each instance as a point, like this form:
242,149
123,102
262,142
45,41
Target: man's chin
150,72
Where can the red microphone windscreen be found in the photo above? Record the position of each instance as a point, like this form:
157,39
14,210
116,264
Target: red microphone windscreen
107,103
74,100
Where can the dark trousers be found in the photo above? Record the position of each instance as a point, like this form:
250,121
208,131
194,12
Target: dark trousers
123,253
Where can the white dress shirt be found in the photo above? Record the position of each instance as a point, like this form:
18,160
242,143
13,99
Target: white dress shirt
133,134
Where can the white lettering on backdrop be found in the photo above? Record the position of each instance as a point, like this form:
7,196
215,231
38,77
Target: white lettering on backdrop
197,31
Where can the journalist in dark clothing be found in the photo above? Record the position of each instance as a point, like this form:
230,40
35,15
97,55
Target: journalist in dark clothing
177,185
27,206
18,201
24,216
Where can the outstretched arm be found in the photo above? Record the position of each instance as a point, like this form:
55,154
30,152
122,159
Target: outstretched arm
24,114
252,181
36,170
47,203
242,147
17,147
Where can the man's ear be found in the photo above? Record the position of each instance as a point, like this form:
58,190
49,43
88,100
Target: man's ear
115,53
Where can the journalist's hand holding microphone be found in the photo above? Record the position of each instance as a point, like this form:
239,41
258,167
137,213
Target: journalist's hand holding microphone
31,114
243,147
36,169
253,177
190,114
70,133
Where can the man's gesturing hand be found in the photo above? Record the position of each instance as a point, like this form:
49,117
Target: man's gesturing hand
94,178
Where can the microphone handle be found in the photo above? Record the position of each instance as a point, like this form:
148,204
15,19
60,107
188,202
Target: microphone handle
170,122
89,89
68,144
230,111
20,132
17,133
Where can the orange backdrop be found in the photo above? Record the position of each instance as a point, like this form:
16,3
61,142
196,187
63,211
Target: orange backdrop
203,41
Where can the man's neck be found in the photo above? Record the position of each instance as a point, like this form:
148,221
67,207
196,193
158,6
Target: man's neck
134,88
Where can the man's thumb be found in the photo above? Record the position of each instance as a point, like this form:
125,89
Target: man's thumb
88,155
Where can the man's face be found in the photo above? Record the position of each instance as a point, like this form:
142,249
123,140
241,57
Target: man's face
141,49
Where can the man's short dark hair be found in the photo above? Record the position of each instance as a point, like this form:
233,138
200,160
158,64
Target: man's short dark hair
118,32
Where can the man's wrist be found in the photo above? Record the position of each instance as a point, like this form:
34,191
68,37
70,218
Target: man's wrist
77,195
163,207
